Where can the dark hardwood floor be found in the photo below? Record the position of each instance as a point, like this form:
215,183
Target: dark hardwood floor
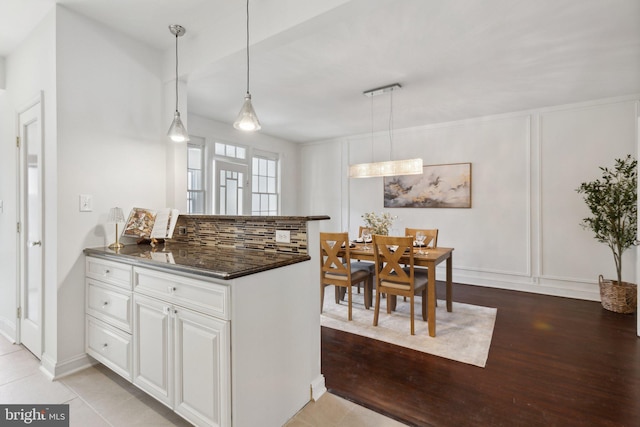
553,362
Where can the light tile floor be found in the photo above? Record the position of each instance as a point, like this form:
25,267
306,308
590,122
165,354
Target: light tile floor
97,397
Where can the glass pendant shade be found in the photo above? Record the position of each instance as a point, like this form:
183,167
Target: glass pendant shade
391,168
177,131
247,119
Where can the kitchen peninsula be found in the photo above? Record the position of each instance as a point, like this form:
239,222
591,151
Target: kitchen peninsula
221,323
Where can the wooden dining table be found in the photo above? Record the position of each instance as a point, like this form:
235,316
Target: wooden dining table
430,258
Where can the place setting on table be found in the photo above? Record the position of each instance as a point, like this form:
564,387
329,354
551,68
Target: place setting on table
366,239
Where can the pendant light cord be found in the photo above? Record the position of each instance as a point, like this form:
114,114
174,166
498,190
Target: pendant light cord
371,129
247,46
391,126
177,32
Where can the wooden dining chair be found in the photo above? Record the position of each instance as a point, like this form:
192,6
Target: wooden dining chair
393,278
336,269
431,241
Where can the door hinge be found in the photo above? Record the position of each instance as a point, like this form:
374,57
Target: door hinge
18,227
19,312
18,141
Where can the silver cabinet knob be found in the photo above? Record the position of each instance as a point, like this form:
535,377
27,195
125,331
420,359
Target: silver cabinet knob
36,243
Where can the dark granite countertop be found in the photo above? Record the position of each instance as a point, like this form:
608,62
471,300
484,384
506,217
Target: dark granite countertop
205,261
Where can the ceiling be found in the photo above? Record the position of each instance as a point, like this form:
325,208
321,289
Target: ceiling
455,59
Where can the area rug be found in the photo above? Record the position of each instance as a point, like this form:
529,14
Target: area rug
463,335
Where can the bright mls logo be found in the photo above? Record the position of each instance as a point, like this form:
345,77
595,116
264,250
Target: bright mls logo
34,415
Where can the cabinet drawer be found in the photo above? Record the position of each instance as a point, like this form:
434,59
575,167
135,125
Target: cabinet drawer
110,346
109,304
205,297
110,272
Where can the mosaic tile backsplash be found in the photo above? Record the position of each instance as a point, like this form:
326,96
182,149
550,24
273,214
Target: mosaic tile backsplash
242,232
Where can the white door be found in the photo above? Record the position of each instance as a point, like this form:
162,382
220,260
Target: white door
30,229
202,368
231,188
153,347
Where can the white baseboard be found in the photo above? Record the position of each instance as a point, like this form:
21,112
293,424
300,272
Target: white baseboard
318,388
541,285
56,370
8,329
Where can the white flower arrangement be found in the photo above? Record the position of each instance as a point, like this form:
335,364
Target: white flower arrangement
378,224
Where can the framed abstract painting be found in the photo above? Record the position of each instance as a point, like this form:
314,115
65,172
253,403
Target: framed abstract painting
439,186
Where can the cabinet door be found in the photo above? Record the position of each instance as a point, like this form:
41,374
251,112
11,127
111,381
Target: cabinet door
202,355
153,348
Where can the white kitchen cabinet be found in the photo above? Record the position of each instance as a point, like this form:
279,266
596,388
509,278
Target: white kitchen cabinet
202,371
108,314
181,356
153,345
212,349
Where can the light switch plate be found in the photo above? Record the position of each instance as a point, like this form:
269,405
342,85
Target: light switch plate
283,236
86,203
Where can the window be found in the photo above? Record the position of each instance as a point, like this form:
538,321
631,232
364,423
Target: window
195,179
228,150
230,187
230,179
264,185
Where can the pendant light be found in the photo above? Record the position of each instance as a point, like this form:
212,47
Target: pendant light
247,119
392,167
177,131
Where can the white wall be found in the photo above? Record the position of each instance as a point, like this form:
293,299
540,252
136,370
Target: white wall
7,217
110,145
102,133
3,73
289,154
104,118
30,70
522,231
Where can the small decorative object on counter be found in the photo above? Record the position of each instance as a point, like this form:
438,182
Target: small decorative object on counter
378,224
116,216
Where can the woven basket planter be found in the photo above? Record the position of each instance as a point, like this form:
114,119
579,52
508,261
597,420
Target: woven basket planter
620,298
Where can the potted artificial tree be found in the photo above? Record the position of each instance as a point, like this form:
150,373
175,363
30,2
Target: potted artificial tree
612,200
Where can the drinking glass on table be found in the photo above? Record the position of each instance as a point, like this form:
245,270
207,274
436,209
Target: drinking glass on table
420,236
366,236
